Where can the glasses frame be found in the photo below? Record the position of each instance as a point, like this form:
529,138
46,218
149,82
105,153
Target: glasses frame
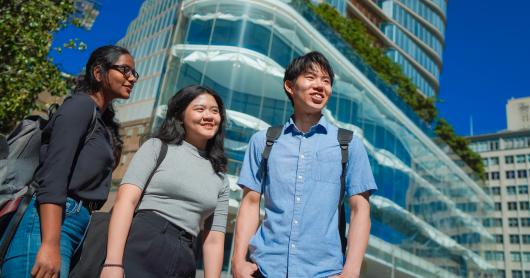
126,71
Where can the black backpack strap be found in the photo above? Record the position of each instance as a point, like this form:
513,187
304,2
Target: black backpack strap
161,156
344,137
92,126
11,228
273,133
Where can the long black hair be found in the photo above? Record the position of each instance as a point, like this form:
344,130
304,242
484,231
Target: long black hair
172,129
104,57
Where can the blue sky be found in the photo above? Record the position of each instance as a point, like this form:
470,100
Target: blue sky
486,60
486,56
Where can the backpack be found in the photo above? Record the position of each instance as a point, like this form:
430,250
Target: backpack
19,161
344,137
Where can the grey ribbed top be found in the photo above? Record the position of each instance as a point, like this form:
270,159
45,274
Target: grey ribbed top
185,190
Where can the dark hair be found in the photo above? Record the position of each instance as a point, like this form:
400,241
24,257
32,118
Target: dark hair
172,129
305,63
103,57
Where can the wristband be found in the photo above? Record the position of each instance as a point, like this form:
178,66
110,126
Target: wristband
113,265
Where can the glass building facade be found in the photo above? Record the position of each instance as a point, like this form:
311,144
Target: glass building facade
426,216
149,39
415,30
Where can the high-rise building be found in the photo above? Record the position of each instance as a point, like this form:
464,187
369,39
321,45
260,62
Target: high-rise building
506,156
424,221
149,37
86,11
411,31
518,113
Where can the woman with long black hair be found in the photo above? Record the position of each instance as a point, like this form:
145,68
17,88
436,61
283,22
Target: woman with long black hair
81,146
187,193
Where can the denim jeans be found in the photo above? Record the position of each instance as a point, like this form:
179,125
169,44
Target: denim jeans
23,249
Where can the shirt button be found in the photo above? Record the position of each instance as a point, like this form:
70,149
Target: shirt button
299,177
293,246
298,199
302,156
296,222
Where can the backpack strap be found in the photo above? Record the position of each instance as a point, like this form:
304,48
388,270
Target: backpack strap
344,137
273,133
92,126
11,228
161,156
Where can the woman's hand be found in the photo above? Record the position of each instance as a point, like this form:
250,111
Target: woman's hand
48,262
243,269
112,272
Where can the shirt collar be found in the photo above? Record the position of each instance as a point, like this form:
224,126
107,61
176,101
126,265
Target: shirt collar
320,127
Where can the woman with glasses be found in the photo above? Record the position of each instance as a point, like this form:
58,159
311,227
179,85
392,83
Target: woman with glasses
81,147
188,192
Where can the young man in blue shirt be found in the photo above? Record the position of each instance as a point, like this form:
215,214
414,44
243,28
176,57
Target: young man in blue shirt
299,236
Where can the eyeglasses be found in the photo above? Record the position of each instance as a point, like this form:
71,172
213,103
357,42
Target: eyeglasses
126,71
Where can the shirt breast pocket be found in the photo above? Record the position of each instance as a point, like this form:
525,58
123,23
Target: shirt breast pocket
327,166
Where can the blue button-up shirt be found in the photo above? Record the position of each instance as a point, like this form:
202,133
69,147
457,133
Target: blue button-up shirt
299,236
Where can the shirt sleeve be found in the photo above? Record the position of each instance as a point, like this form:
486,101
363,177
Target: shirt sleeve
143,163
70,125
250,174
359,177
217,221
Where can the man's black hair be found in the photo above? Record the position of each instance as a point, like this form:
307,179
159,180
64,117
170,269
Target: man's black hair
306,63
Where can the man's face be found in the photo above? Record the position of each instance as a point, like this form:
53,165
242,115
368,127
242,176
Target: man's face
310,91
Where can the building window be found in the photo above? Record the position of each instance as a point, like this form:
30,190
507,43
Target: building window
485,146
508,159
520,158
513,222
523,189
492,222
515,239
516,256
525,205
501,273
526,256
517,273
526,239
511,190
525,222
129,132
498,206
141,130
499,256
496,222
494,255
496,190
522,174
499,239
495,160
527,274
510,174
512,205
489,255
494,175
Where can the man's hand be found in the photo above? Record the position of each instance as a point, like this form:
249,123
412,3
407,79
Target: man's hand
243,269
48,262
344,275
